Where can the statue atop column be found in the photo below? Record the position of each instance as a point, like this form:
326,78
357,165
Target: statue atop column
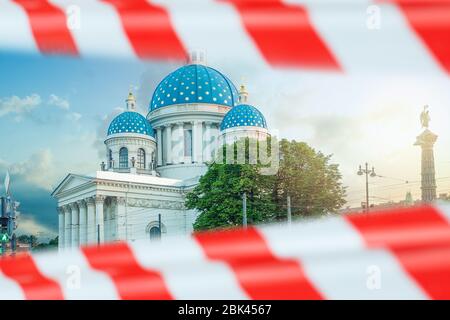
425,117
426,141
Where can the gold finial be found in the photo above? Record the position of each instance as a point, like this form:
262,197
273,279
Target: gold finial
130,92
131,100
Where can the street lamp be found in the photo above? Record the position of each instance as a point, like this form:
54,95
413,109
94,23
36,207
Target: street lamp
372,174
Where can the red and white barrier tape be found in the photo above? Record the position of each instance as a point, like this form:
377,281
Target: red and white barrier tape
345,35
400,254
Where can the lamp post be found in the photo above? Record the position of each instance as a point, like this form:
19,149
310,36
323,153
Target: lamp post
367,172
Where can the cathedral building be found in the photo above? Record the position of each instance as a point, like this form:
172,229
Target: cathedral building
152,162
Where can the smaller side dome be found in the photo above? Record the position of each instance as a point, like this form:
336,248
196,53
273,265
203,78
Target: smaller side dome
243,115
130,121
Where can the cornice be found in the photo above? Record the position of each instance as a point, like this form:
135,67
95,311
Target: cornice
150,203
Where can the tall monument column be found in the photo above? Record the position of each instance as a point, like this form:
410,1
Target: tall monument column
426,141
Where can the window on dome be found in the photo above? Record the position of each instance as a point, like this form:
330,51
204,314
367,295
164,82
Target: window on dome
188,143
141,159
123,158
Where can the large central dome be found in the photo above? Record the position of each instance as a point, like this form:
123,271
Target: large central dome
194,83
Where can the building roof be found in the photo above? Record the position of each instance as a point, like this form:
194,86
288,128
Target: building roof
243,115
76,180
194,83
130,122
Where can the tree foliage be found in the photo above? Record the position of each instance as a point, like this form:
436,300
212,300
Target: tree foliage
35,245
307,176
218,196
313,183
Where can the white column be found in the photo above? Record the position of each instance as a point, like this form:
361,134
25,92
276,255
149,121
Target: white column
99,219
159,145
91,227
121,219
207,152
61,228
197,140
83,221
169,144
181,141
68,227
178,149
75,225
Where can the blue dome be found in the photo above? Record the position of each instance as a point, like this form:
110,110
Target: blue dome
243,115
194,83
130,122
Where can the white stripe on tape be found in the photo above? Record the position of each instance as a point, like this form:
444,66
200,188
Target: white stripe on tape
365,41
216,28
96,28
15,30
75,276
339,265
187,271
9,289
365,274
444,209
317,237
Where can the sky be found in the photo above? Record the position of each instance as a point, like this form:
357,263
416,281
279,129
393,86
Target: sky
54,113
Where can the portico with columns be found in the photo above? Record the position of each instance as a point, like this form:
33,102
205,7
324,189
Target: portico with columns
113,206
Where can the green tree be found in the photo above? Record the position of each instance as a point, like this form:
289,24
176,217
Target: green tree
29,239
35,245
313,183
218,196
51,245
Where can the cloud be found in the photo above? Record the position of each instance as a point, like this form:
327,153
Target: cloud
37,170
73,116
56,101
19,106
31,182
28,225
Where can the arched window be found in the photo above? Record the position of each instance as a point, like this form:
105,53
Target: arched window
123,158
141,159
155,233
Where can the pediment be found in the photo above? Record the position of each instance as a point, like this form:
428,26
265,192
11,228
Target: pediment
70,182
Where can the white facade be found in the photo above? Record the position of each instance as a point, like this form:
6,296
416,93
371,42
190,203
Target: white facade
110,206
186,138
151,163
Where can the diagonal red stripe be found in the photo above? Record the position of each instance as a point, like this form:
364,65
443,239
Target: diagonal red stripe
431,21
48,24
259,272
284,34
131,280
24,272
149,29
420,240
